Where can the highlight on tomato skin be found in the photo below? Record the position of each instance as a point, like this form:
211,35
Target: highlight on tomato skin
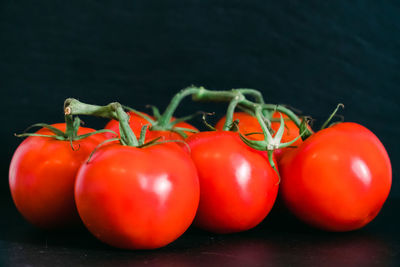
138,198
338,179
136,123
238,187
42,177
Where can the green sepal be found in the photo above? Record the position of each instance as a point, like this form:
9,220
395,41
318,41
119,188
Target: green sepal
155,110
253,133
258,145
72,145
142,135
272,163
340,105
57,137
185,129
82,136
150,143
99,145
304,129
265,126
49,127
204,119
180,132
279,133
287,144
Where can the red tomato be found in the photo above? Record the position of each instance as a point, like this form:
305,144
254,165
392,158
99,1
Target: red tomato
338,179
42,177
237,184
249,124
138,198
137,122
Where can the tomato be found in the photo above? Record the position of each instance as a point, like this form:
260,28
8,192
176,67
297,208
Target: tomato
42,177
237,184
138,198
338,179
137,122
249,124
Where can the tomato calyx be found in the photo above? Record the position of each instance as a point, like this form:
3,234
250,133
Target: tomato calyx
70,134
165,121
156,125
270,143
237,97
264,114
113,110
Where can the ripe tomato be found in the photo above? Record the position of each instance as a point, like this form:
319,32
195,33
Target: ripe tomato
249,124
42,177
137,122
138,198
237,185
338,179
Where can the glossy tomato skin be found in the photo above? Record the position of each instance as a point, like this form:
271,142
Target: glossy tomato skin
249,124
136,123
338,179
238,187
42,177
138,198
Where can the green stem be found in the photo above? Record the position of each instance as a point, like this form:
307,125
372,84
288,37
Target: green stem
340,105
289,113
205,95
231,109
261,121
254,93
72,126
282,109
111,111
75,107
166,117
208,95
128,138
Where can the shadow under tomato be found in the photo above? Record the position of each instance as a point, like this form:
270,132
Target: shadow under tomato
274,242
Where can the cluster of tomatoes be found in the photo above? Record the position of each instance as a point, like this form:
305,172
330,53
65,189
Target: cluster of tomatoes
145,197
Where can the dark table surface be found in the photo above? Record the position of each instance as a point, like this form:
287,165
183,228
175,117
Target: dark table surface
278,241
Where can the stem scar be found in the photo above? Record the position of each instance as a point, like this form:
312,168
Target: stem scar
67,111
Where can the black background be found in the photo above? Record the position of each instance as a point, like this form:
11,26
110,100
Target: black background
310,55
